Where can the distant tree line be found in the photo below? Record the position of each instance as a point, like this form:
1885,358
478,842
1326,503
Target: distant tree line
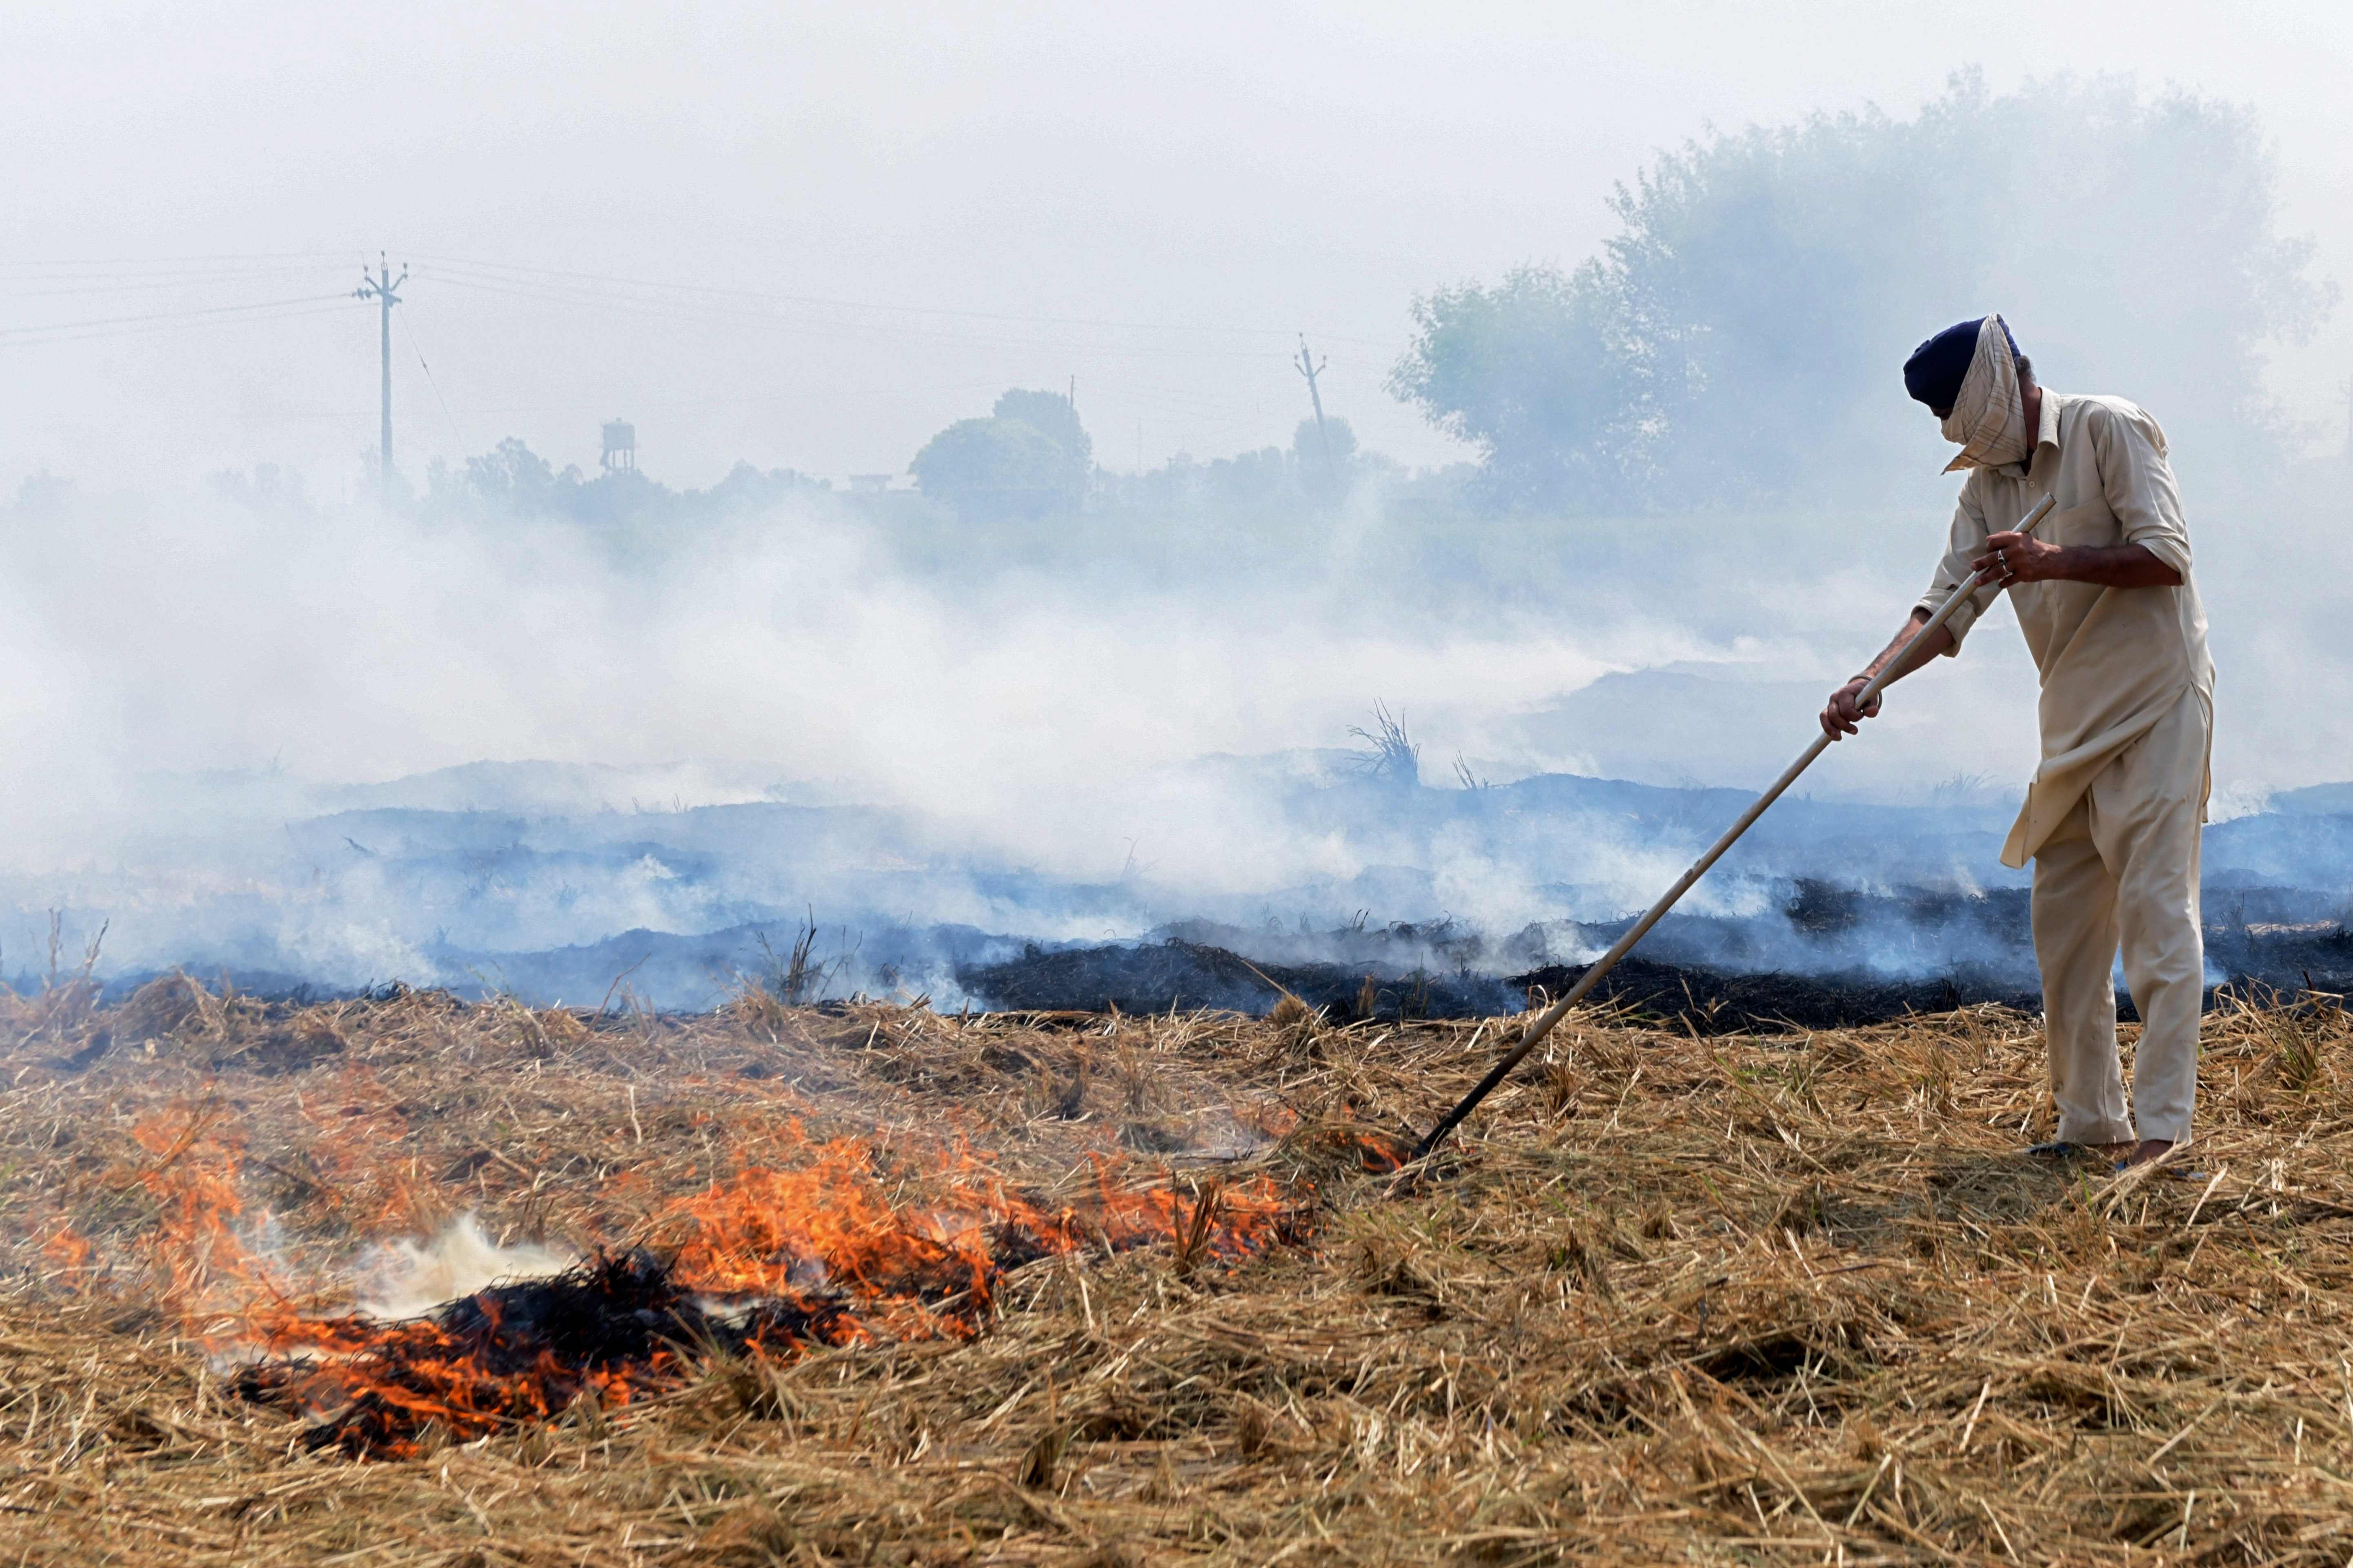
1740,337
1032,457
1265,483
512,480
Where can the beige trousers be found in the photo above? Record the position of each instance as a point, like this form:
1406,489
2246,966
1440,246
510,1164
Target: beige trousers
2122,870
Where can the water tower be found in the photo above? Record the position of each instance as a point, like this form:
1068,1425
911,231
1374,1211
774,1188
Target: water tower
620,446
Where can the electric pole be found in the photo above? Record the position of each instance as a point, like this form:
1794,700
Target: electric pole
1311,368
383,288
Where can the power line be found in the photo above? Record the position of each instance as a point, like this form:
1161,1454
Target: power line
409,325
68,263
720,315
150,330
709,303
799,314
8,333
158,284
497,267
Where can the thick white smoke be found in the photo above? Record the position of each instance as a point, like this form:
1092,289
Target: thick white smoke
202,683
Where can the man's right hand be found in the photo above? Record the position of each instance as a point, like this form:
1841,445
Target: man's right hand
1844,714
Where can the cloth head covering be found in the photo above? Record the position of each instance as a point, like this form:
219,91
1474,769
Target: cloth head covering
1932,374
1987,417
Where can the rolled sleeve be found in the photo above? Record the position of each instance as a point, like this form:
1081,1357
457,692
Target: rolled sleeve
2138,485
1965,545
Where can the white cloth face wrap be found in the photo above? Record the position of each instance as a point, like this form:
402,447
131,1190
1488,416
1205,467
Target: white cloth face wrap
1989,418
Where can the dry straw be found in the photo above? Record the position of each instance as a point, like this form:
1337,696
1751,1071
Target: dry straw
1739,1299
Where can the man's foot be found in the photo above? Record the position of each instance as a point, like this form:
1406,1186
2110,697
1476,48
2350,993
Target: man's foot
2148,1151
2064,1150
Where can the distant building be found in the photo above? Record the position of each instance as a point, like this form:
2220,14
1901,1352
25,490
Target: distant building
868,484
620,446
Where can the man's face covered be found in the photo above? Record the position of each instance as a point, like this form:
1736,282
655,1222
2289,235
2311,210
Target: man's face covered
1987,408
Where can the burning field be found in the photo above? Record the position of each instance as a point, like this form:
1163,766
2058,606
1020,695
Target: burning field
406,1279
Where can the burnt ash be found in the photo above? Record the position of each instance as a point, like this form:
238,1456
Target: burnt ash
2313,957
1158,976
617,1326
1802,968
1184,974
1713,1002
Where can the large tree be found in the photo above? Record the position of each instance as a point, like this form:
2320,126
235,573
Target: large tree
1031,455
1535,371
1054,417
1739,336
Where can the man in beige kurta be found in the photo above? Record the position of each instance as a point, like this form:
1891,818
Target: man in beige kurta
2104,595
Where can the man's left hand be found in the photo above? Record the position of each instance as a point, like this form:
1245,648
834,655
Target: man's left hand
2012,557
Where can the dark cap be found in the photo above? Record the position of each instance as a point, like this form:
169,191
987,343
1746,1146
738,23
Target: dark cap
1932,374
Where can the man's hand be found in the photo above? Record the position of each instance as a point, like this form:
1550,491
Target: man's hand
1845,715
2011,558
2014,557
1845,712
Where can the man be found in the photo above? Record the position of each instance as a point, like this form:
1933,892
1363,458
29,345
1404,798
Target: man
2103,593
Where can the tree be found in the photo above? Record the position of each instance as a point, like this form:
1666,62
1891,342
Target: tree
1309,444
1537,374
1052,415
512,479
1740,336
1032,456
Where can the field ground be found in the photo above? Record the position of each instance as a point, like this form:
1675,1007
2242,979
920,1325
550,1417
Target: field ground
1739,1299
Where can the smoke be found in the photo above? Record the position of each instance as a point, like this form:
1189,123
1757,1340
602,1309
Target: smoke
210,690
410,1279
194,637
344,746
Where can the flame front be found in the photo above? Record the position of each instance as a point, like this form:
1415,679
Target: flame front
770,1260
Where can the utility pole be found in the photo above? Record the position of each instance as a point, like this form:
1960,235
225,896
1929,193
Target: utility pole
1311,368
383,288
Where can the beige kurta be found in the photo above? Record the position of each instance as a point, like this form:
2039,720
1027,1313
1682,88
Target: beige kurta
2110,819
2114,661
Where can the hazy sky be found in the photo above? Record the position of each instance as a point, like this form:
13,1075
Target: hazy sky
866,221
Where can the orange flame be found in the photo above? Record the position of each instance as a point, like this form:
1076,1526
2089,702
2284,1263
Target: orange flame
813,1252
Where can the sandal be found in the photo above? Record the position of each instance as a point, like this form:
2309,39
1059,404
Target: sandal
2062,1150
2170,1173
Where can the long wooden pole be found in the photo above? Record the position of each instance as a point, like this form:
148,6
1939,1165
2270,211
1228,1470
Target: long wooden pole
1541,1025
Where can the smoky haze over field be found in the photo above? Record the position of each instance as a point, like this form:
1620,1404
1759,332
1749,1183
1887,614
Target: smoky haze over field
1630,495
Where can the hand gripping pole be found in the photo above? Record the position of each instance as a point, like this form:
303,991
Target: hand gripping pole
1541,1025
